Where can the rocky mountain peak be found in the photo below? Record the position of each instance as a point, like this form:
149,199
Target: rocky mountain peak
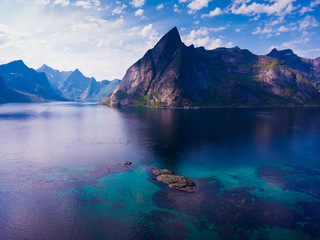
77,74
168,44
18,64
275,53
43,68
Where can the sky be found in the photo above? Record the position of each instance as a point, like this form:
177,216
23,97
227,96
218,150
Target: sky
104,38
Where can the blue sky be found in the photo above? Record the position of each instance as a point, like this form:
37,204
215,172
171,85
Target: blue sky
103,38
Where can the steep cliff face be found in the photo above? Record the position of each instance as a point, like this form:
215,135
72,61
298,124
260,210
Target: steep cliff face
156,75
174,75
308,68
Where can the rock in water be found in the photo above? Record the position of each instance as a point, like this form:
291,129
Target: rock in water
127,163
176,182
158,171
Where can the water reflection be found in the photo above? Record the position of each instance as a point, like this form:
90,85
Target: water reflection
232,134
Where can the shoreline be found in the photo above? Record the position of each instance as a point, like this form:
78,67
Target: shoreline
212,107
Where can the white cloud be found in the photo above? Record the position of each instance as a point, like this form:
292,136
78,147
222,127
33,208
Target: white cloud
87,4
201,37
217,11
277,7
308,22
255,18
61,2
259,30
305,53
292,44
139,12
182,1
303,10
283,29
238,30
119,10
137,3
176,9
217,29
147,30
269,29
277,21
9,37
196,5
315,3
160,6
151,34
66,40
42,2
305,33
309,8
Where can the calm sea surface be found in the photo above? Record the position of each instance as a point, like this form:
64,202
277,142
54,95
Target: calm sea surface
62,175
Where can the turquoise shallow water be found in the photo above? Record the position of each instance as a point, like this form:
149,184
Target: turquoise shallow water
62,175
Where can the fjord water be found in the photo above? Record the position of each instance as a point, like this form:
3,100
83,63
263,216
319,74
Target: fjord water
62,176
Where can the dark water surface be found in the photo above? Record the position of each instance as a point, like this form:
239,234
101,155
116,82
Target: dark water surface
62,175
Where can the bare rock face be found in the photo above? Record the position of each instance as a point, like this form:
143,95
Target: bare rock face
308,68
159,172
279,78
174,75
176,182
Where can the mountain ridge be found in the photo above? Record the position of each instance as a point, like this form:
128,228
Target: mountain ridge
309,68
74,85
23,84
175,75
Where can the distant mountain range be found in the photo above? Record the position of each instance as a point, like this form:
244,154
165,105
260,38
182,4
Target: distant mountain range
174,75
74,85
19,83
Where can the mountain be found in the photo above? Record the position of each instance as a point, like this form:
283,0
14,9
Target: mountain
55,77
22,84
8,95
309,68
174,75
74,85
102,89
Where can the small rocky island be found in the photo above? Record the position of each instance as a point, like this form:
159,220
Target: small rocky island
176,182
